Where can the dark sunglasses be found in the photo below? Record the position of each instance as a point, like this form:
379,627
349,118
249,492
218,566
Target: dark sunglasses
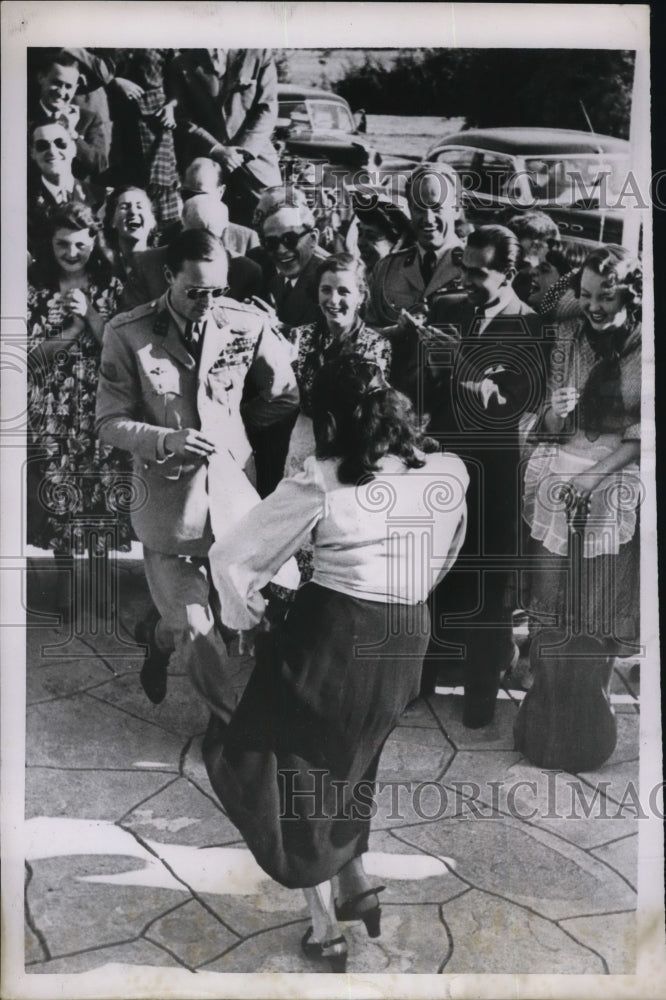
41,145
289,240
203,293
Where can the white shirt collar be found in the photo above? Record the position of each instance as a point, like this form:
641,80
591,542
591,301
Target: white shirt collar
65,187
496,309
47,111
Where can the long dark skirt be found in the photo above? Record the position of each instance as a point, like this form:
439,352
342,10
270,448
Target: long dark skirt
296,767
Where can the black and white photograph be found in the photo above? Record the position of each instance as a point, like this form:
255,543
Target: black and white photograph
330,638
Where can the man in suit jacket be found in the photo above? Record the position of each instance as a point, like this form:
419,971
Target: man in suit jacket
405,279
172,376
226,110
52,182
490,369
147,278
291,259
58,82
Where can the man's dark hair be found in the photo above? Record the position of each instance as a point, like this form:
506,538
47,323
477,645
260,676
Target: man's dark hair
193,244
57,58
502,240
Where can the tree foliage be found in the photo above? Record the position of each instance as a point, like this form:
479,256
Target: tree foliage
548,87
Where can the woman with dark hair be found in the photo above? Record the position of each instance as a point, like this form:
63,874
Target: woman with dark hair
541,261
589,434
379,227
342,292
71,294
297,764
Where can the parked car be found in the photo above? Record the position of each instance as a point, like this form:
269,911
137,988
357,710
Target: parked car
576,177
318,126
322,150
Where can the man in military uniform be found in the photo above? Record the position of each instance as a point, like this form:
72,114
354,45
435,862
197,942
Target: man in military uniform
404,280
173,373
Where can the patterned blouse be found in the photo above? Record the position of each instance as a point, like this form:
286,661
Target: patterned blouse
316,345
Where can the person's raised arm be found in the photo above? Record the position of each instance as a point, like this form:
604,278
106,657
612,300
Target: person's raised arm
250,554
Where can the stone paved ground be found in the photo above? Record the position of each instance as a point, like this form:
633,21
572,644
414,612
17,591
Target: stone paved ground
131,860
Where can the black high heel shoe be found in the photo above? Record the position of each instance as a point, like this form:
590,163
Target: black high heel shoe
322,950
370,915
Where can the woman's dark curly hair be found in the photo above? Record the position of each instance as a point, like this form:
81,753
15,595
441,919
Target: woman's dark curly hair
623,272
108,228
359,419
45,273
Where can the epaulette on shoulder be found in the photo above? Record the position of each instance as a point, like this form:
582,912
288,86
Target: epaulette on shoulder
145,309
242,316
232,305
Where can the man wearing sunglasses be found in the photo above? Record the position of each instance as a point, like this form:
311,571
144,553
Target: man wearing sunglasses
289,256
51,181
172,377
57,84
202,211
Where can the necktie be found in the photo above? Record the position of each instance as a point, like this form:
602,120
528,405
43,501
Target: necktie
193,336
428,264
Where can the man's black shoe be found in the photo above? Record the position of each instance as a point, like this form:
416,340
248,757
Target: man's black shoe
153,676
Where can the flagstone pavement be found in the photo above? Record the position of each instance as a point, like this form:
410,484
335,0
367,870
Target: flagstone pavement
490,864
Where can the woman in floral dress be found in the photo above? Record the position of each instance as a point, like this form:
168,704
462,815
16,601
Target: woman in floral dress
79,490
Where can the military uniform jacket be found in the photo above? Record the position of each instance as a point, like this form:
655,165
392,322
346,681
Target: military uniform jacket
397,283
150,384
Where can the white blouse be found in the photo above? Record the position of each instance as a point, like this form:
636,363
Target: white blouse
390,540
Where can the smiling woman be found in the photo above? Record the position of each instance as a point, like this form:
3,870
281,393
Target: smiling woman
341,294
589,450
71,294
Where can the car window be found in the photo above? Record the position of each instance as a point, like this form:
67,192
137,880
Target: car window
459,157
567,179
497,175
296,112
329,116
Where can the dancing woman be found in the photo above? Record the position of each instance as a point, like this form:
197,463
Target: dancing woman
296,766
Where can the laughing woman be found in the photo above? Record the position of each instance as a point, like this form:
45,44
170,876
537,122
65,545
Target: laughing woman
129,228
589,450
296,766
